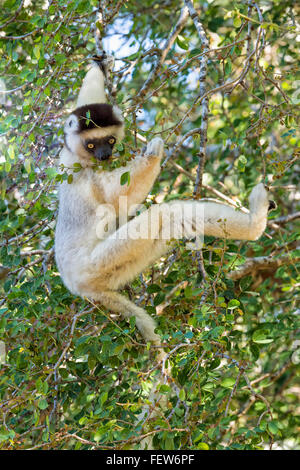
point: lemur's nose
(103, 152)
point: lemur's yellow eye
(111, 141)
(91, 146)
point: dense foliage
(71, 376)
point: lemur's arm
(143, 171)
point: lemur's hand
(155, 147)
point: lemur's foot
(258, 198)
(155, 147)
(260, 194)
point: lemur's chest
(90, 189)
(89, 205)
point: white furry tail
(92, 90)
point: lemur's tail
(92, 89)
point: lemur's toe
(272, 205)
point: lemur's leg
(226, 222)
(116, 302)
(146, 237)
(137, 244)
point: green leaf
(42, 404)
(27, 165)
(198, 436)
(194, 52)
(228, 382)
(7, 167)
(103, 397)
(119, 146)
(237, 21)
(125, 178)
(202, 446)
(261, 336)
(11, 152)
(209, 386)
(182, 42)
(92, 361)
(77, 167)
(228, 67)
(243, 159)
(88, 117)
(153, 288)
(60, 59)
(273, 428)
(215, 363)
(159, 298)
(164, 388)
(47, 91)
(232, 304)
(86, 31)
(254, 351)
(37, 51)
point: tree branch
(164, 51)
(14, 16)
(261, 262)
(202, 79)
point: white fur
(92, 89)
(100, 132)
(96, 253)
(97, 268)
(96, 263)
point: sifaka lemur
(98, 250)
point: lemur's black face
(91, 132)
(100, 148)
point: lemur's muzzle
(103, 152)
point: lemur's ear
(120, 130)
(118, 113)
(72, 124)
